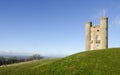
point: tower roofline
(104, 17)
(89, 22)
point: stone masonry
(97, 36)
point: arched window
(97, 37)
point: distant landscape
(96, 62)
(11, 59)
(59, 37)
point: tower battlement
(97, 36)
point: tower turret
(97, 35)
(104, 32)
(88, 34)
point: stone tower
(97, 36)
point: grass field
(96, 62)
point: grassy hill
(97, 62)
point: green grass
(97, 62)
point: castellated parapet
(97, 36)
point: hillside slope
(97, 62)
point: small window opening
(97, 30)
(97, 46)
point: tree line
(14, 59)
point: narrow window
(97, 37)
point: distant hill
(96, 62)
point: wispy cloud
(101, 13)
(116, 21)
(11, 52)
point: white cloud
(116, 21)
(101, 13)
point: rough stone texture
(97, 36)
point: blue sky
(53, 27)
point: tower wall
(88, 35)
(104, 32)
(97, 36)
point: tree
(2, 61)
(12, 60)
(35, 57)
